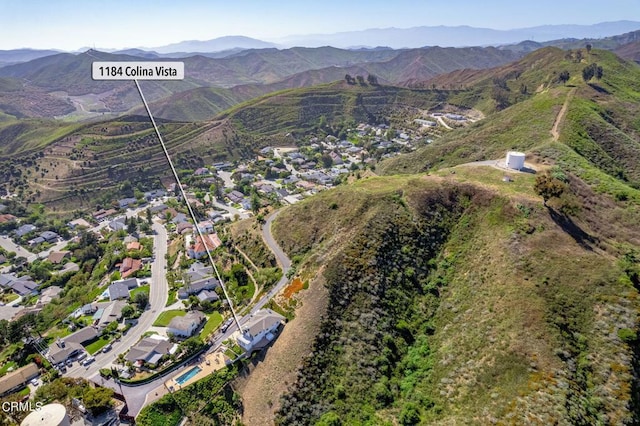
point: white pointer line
(184, 196)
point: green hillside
(599, 123)
(460, 299)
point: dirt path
(561, 114)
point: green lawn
(165, 318)
(215, 319)
(172, 298)
(6, 367)
(94, 347)
(142, 289)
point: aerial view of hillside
(364, 213)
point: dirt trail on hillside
(270, 377)
(561, 114)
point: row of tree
(371, 79)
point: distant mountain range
(460, 36)
(371, 39)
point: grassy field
(214, 320)
(165, 317)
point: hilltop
(458, 298)
(599, 125)
(455, 295)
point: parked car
(88, 361)
(82, 356)
(34, 381)
(226, 325)
(69, 362)
(106, 348)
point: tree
(238, 272)
(372, 80)
(327, 161)
(349, 79)
(128, 311)
(564, 77)
(588, 46)
(360, 80)
(149, 216)
(98, 400)
(591, 71)
(548, 187)
(141, 299)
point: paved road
(8, 244)
(136, 396)
(158, 296)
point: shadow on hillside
(599, 89)
(585, 240)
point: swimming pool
(188, 375)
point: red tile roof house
(198, 250)
(129, 267)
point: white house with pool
(259, 330)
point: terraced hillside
(80, 164)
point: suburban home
(118, 224)
(126, 202)
(48, 294)
(207, 296)
(6, 279)
(206, 227)
(336, 158)
(198, 249)
(198, 271)
(6, 218)
(60, 351)
(24, 287)
(79, 223)
(156, 193)
(129, 267)
(58, 257)
(158, 209)
(35, 241)
(235, 197)
(3, 258)
(186, 325)
(17, 379)
(150, 350)
(25, 229)
(202, 171)
(184, 227)
(260, 325)
(112, 312)
(196, 287)
(179, 218)
(84, 335)
(134, 245)
(68, 267)
(50, 236)
(118, 290)
(88, 309)
(291, 180)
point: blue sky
(72, 24)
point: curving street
(158, 295)
(137, 396)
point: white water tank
(47, 415)
(515, 160)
